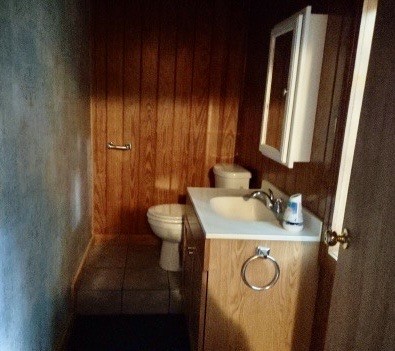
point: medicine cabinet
(292, 84)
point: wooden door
(362, 312)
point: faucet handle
(278, 206)
(271, 194)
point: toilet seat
(167, 213)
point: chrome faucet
(276, 205)
(260, 195)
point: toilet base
(170, 256)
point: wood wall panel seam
(200, 93)
(165, 113)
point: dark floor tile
(99, 302)
(142, 257)
(175, 280)
(175, 305)
(101, 279)
(145, 301)
(105, 255)
(154, 278)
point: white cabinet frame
(302, 88)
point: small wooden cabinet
(224, 314)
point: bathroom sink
(241, 209)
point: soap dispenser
(293, 215)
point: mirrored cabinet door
(295, 59)
(282, 70)
(279, 90)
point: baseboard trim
(62, 342)
(149, 240)
(77, 274)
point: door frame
(365, 38)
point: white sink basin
(238, 208)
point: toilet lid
(230, 170)
(167, 212)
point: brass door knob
(332, 238)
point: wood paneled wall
(317, 179)
(167, 77)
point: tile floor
(126, 279)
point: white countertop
(218, 227)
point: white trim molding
(365, 37)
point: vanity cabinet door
(194, 280)
(278, 319)
(187, 264)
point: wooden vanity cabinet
(224, 314)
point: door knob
(332, 238)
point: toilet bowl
(166, 222)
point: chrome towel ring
(261, 253)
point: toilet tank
(231, 176)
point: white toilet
(166, 220)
